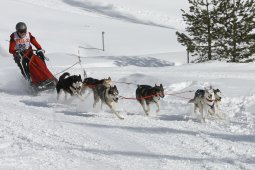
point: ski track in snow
(108, 10)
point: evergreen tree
(235, 30)
(200, 27)
(186, 41)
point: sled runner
(40, 76)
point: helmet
(21, 27)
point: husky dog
(216, 110)
(148, 94)
(91, 83)
(206, 101)
(107, 95)
(69, 84)
(218, 95)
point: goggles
(22, 31)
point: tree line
(219, 30)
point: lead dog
(69, 84)
(107, 95)
(206, 102)
(218, 97)
(146, 94)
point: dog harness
(211, 106)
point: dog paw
(202, 120)
(120, 117)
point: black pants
(24, 63)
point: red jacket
(28, 52)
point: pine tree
(200, 28)
(235, 30)
(186, 41)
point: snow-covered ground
(37, 132)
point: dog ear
(115, 86)
(138, 86)
(161, 85)
(109, 78)
(155, 85)
(216, 90)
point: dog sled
(40, 76)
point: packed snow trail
(38, 132)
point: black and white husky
(108, 95)
(69, 84)
(89, 84)
(146, 94)
(206, 102)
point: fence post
(103, 40)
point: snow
(37, 132)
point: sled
(40, 76)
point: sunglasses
(22, 31)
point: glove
(41, 53)
(41, 50)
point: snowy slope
(37, 132)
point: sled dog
(108, 95)
(69, 84)
(206, 102)
(89, 84)
(218, 97)
(146, 94)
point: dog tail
(85, 80)
(63, 76)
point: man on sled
(32, 67)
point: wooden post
(103, 39)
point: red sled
(41, 77)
